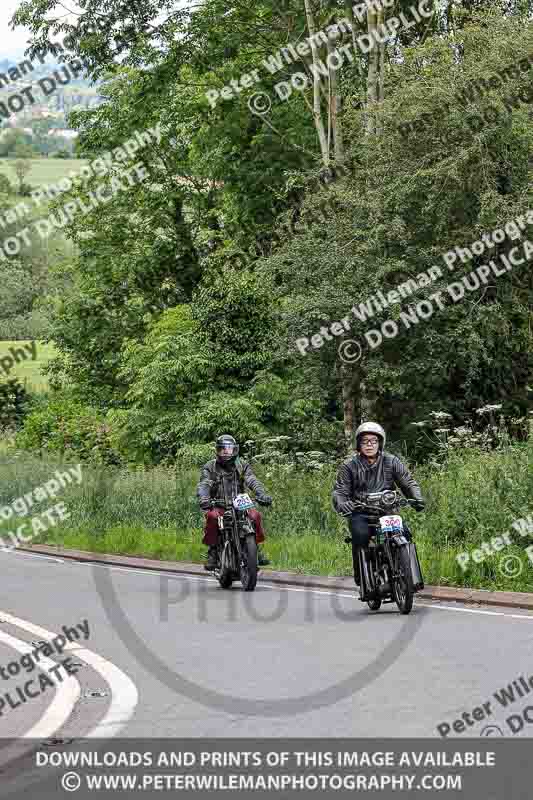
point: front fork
(229, 542)
(367, 580)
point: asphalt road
(180, 657)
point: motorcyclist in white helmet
(370, 469)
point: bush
(194, 455)
(6, 187)
(66, 427)
(13, 403)
(64, 153)
(34, 325)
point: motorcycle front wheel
(403, 590)
(225, 576)
(249, 565)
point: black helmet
(227, 449)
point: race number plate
(391, 524)
(243, 502)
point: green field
(43, 170)
(29, 371)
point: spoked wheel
(403, 585)
(374, 605)
(249, 565)
(225, 576)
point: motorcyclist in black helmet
(225, 477)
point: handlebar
(220, 503)
(261, 503)
(380, 508)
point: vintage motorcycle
(389, 567)
(236, 546)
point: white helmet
(371, 427)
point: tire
(374, 605)
(249, 569)
(225, 576)
(403, 587)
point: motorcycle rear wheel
(249, 568)
(403, 590)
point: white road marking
(177, 576)
(124, 695)
(66, 693)
(31, 555)
(526, 615)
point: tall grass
(477, 495)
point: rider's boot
(262, 560)
(356, 569)
(211, 558)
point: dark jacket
(356, 478)
(227, 482)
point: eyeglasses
(369, 441)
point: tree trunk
(335, 107)
(381, 75)
(317, 113)
(348, 405)
(372, 84)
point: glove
(264, 499)
(348, 507)
(205, 505)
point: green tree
(22, 168)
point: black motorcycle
(236, 546)
(389, 567)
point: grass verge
(154, 514)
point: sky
(13, 43)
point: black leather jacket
(226, 482)
(356, 478)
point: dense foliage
(178, 314)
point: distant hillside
(15, 76)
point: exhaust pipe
(416, 571)
(367, 578)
